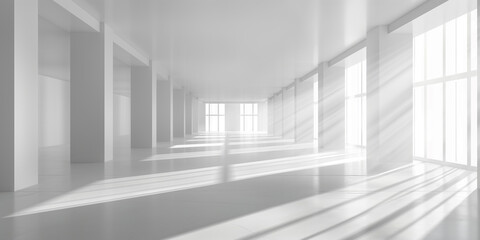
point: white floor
(239, 187)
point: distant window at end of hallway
(249, 117)
(214, 117)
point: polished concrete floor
(239, 187)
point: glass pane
(462, 43)
(473, 130)
(241, 108)
(434, 47)
(358, 121)
(450, 47)
(255, 124)
(450, 122)
(435, 121)
(349, 121)
(364, 77)
(221, 108)
(473, 39)
(419, 58)
(213, 109)
(255, 108)
(364, 121)
(462, 121)
(248, 109)
(419, 121)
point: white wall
(54, 112)
(54, 85)
(262, 116)
(232, 117)
(121, 104)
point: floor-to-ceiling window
(445, 91)
(214, 117)
(315, 108)
(249, 117)
(355, 104)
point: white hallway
(254, 119)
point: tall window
(249, 117)
(315, 108)
(445, 92)
(215, 117)
(355, 104)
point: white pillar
(201, 116)
(195, 114)
(18, 94)
(188, 114)
(478, 94)
(144, 106)
(321, 79)
(304, 111)
(179, 113)
(389, 99)
(164, 111)
(288, 113)
(278, 115)
(271, 116)
(332, 99)
(91, 74)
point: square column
(188, 114)
(91, 96)
(195, 114)
(478, 98)
(304, 111)
(270, 106)
(389, 99)
(201, 116)
(321, 78)
(178, 113)
(289, 112)
(144, 106)
(278, 115)
(164, 111)
(18, 94)
(331, 101)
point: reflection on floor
(239, 187)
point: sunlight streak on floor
(183, 155)
(396, 205)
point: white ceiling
(237, 50)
